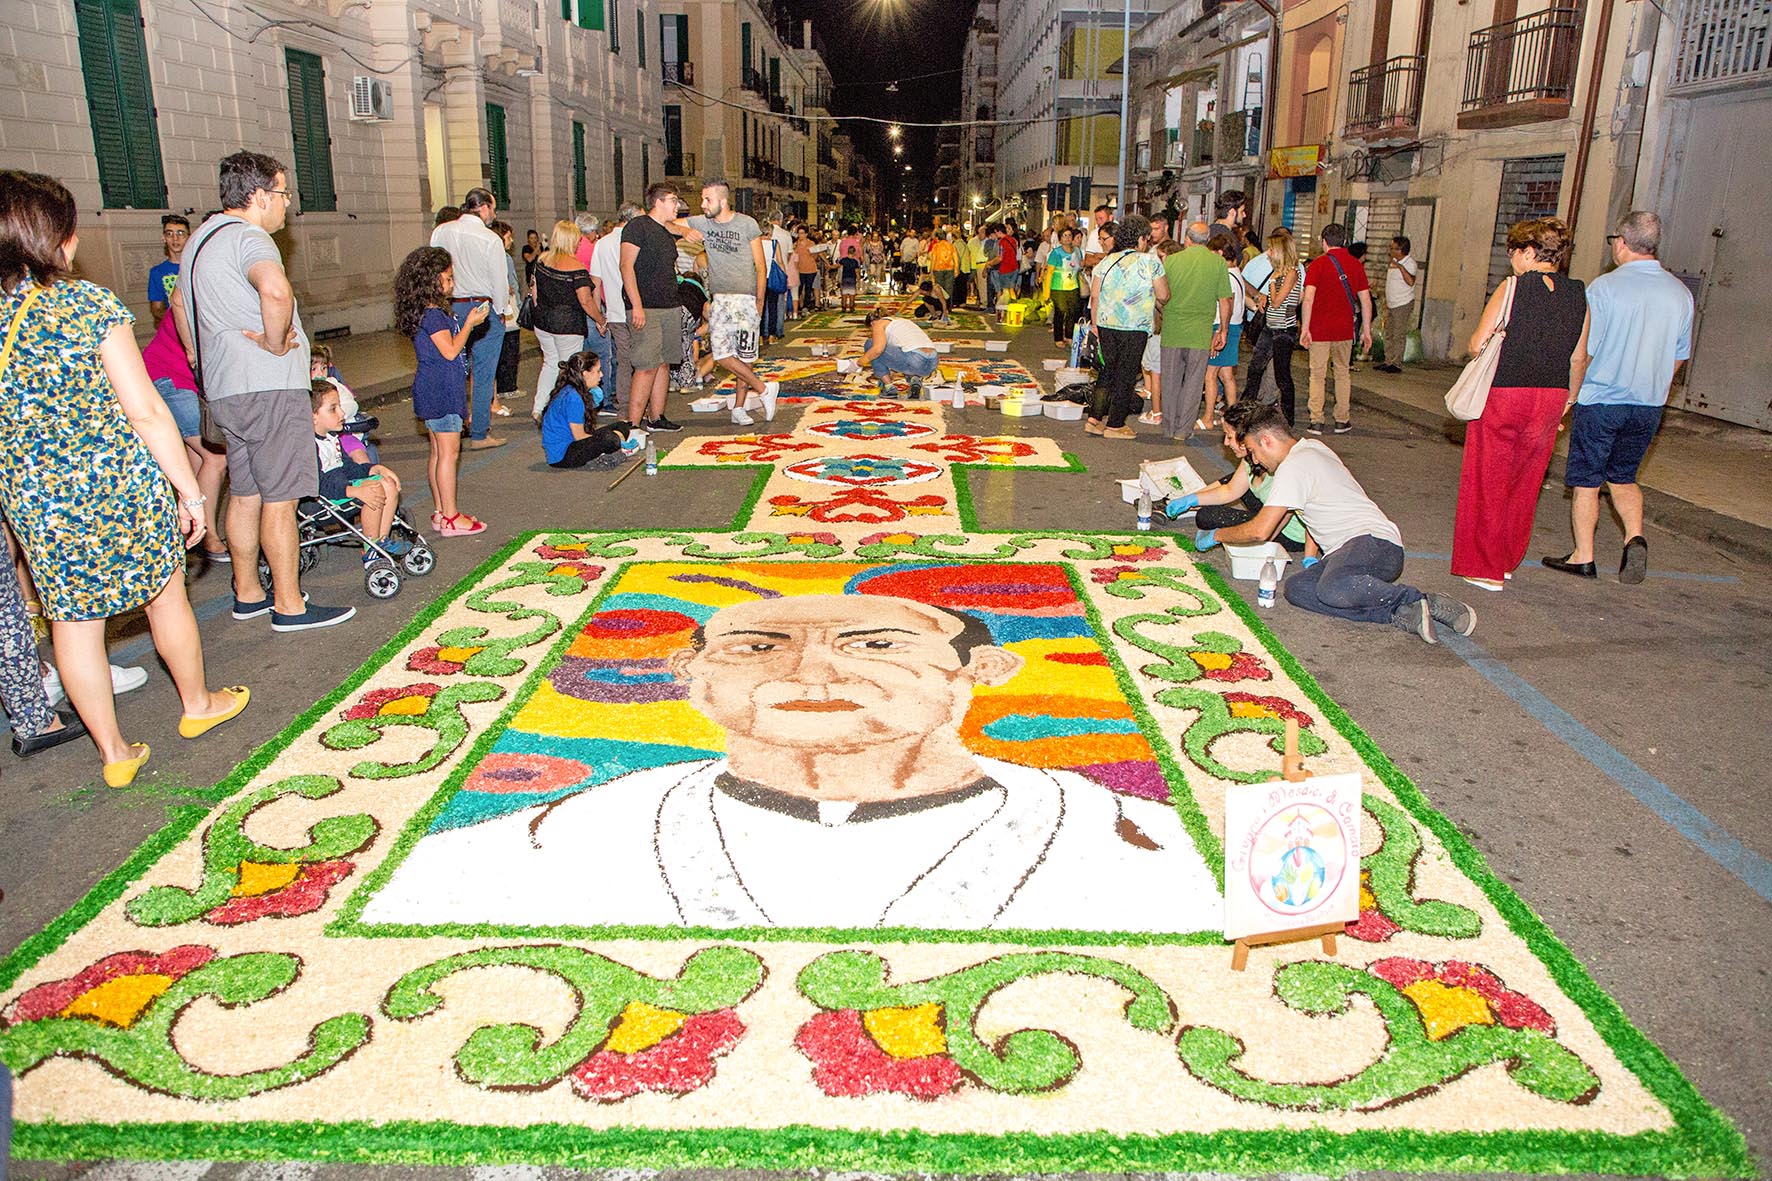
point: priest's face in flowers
(839, 672)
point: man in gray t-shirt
(235, 313)
(738, 278)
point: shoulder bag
(776, 282)
(1347, 289)
(1470, 393)
(17, 326)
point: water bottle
(1144, 512)
(1270, 582)
(652, 458)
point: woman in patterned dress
(87, 451)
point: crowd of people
(120, 455)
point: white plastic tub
(1020, 408)
(1160, 475)
(1247, 560)
(1053, 364)
(943, 347)
(996, 346)
(1063, 411)
(1067, 376)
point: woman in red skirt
(1508, 449)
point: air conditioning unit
(372, 100)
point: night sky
(869, 43)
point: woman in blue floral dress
(90, 460)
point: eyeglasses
(283, 193)
(1611, 238)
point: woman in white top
(1221, 368)
(898, 345)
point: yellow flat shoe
(189, 727)
(122, 773)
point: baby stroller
(322, 522)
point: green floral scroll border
(1703, 1142)
(348, 923)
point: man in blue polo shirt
(1639, 332)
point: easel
(1292, 770)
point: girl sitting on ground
(1242, 494)
(568, 438)
(422, 292)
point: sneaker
(1342, 428)
(1315, 428)
(739, 418)
(396, 546)
(221, 556)
(1414, 617)
(916, 388)
(1634, 566)
(661, 423)
(52, 687)
(1449, 612)
(244, 610)
(127, 680)
(771, 391)
(886, 390)
(313, 617)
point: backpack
(777, 282)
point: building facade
(383, 112)
(978, 104)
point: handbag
(777, 281)
(526, 312)
(1470, 393)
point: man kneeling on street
(1362, 548)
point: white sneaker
(771, 391)
(127, 680)
(740, 418)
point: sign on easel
(1292, 857)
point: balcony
(1202, 152)
(780, 105)
(681, 73)
(679, 164)
(755, 82)
(1384, 99)
(1522, 71)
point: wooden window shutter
(120, 100)
(580, 196)
(309, 129)
(497, 153)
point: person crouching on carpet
(1362, 548)
(568, 438)
(898, 345)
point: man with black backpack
(1337, 308)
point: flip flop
(190, 727)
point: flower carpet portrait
(853, 836)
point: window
(640, 36)
(673, 137)
(775, 77)
(673, 37)
(497, 155)
(580, 198)
(744, 49)
(621, 187)
(114, 58)
(645, 165)
(307, 122)
(614, 26)
(590, 13)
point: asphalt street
(1604, 746)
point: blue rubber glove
(1309, 561)
(1205, 539)
(1179, 506)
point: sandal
(460, 525)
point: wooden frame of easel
(1292, 770)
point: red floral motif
(812, 539)
(675, 1065)
(583, 571)
(873, 409)
(565, 552)
(54, 998)
(752, 448)
(304, 895)
(440, 662)
(846, 1061)
(1373, 925)
(1110, 574)
(1230, 667)
(862, 505)
(1128, 551)
(972, 449)
(1503, 1005)
(403, 699)
(1250, 705)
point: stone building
(385, 111)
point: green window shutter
(744, 48)
(313, 140)
(496, 153)
(590, 14)
(580, 199)
(775, 76)
(120, 99)
(621, 193)
(565, 10)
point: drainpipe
(1590, 109)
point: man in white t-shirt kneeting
(1362, 548)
